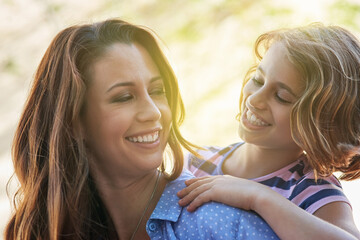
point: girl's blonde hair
(325, 120)
(57, 198)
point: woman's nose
(148, 110)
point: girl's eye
(282, 100)
(278, 96)
(123, 98)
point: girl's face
(268, 99)
(126, 121)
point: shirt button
(152, 227)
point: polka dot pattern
(210, 221)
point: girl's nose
(258, 99)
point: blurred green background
(208, 42)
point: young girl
(299, 119)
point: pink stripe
(331, 179)
(315, 206)
(284, 173)
(216, 159)
(210, 157)
(284, 192)
(311, 190)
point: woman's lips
(146, 138)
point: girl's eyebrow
(122, 84)
(280, 84)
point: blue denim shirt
(210, 221)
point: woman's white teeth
(254, 120)
(145, 138)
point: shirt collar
(167, 207)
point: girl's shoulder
(297, 182)
(311, 193)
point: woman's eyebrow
(122, 84)
(154, 79)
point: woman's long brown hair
(57, 198)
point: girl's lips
(255, 119)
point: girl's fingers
(191, 185)
(190, 181)
(198, 201)
(185, 191)
(193, 180)
(210, 192)
(193, 194)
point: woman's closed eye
(123, 98)
(127, 97)
(157, 91)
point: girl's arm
(332, 221)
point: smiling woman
(88, 150)
(126, 87)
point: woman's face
(126, 120)
(268, 100)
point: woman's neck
(126, 203)
(251, 161)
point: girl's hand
(285, 218)
(233, 191)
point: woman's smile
(146, 138)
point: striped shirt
(295, 182)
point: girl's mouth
(254, 120)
